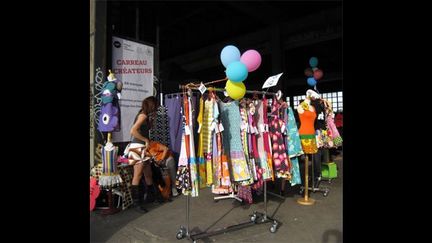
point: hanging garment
(294, 143)
(231, 121)
(174, 104)
(294, 147)
(307, 130)
(262, 159)
(252, 143)
(244, 137)
(207, 130)
(267, 140)
(245, 193)
(320, 121)
(159, 130)
(183, 181)
(190, 144)
(323, 139)
(280, 158)
(334, 133)
(200, 155)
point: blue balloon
(313, 62)
(311, 81)
(229, 54)
(237, 72)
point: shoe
(137, 200)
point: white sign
(132, 64)
(202, 88)
(272, 81)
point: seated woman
(163, 158)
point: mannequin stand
(315, 187)
(306, 200)
(110, 209)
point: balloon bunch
(237, 69)
(313, 73)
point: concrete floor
(321, 222)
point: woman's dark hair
(149, 105)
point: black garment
(320, 122)
(160, 127)
(144, 129)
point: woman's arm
(135, 130)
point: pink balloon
(252, 60)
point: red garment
(339, 120)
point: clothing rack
(256, 218)
(194, 87)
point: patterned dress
(280, 158)
(231, 121)
(294, 147)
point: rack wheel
(253, 217)
(273, 228)
(179, 235)
(326, 192)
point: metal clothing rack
(256, 217)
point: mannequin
(307, 117)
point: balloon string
(194, 85)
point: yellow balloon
(235, 90)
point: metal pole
(265, 200)
(187, 215)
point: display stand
(314, 188)
(111, 209)
(306, 200)
(255, 218)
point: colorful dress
(261, 140)
(294, 147)
(231, 121)
(280, 158)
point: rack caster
(253, 217)
(326, 192)
(273, 228)
(181, 233)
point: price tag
(213, 126)
(202, 88)
(187, 130)
(243, 126)
(221, 128)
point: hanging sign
(272, 81)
